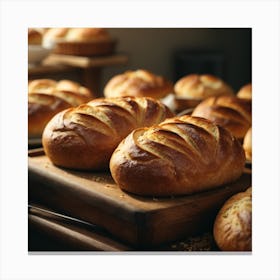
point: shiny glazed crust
(138, 83)
(199, 87)
(233, 113)
(85, 137)
(233, 224)
(245, 92)
(247, 144)
(47, 97)
(182, 155)
(41, 108)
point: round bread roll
(245, 92)
(182, 155)
(247, 145)
(47, 97)
(85, 137)
(139, 83)
(231, 112)
(35, 37)
(233, 224)
(191, 89)
(195, 86)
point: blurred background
(175, 52)
(169, 52)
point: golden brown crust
(182, 155)
(35, 37)
(245, 91)
(86, 34)
(41, 108)
(138, 83)
(195, 86)
(233, 224)
(85, 137)
(47, 97)
(233, 113)
(247, 145)
(79, 41)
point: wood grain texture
(136, 220)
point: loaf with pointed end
(85, 137)
(233, 224)
(48, 97)
(138, 83)
(231, 112)
(182, 155)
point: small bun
(231, 112)
(247, 145)
(139, 83)
(245, 92)
(233, 224)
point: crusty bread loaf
(245, 91)
(182, 155)
(233, 224)
(47, 97)
(247, 145)
(191, 89)
(79, 41)
(195, 86)
(138, 83)
(85, 137)
(231, 112)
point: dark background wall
(174, 52)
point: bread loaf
(191, 89)
(247, 145)
(231, 112)
(182, 155)
(79, 41)
(85, 137)
(47, 97)
(245, 91)
(139, 83)
(233, 224)
(195, 86)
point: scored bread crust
(231, 112)
(85, 137)
(139, 83)
(233, 224)
(182, 155)
(47, 97)
(195, 86)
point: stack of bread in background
(134, 133)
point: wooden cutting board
(138, 221)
